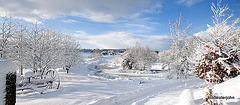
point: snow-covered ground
(87, 85)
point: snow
(229, 88)
(157, 66)
(5, 67)
(173, 94)
(175, 97)
(86, 85)
(186, 97)
(28, 74)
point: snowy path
(79, 87)
(82, 87)
(140, 97)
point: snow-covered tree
(128, 61)
(235, 41)
(33, 54)
(96, 54)
(178, 58)
(139, 58)
(48, 48)
(71, 53)
(165, 57)
(7, 29)
(18, 47)
(117, 59)
(40, 48)
(219, 58)
(36, 47)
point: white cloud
(69, 21)
(116, 40)
(80, 35)
(188, 2)
(108, 11)
(141, 26)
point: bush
(216, 66)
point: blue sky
(116, 23)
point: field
(86, 84)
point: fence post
(7, 82)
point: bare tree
(7, 29)
(35, 47)
(178, 57)
(47, 48)
(71, 52)
(18, 47)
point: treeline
(36, 47)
